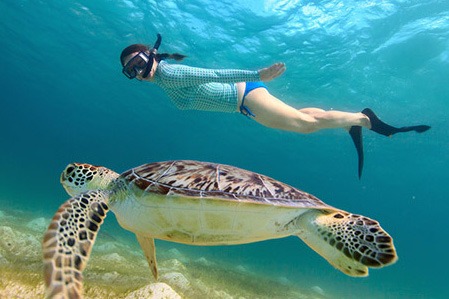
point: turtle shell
(202, 179)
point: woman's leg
(273, 113)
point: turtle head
(79, 177)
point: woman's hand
(272, 72)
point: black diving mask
(142, 63)
(137, 65)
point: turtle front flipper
(68, 242)
(147, 245)
(351, 243)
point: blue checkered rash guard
(192, 88)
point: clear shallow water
(64, 99)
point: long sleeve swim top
(192, 88)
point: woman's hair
(143, 48)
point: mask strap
(153, 52)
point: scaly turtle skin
(199, 203)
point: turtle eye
(69, 169)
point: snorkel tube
(153, 52)
(158, 42)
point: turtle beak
(62, 178)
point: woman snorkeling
(231, 90)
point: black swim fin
(382, 128)
(356, 135)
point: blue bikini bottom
(250, 86)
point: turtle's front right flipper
(68, 242)
(351, 243)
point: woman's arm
(176, 75)
(271, 72)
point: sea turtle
(199, 203)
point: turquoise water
(64, 99)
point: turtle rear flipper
(149, 249)
(68, 242)
(351, 243)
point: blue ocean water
(64, 99)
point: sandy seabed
(118, 270)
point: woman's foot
(356, 136)
(382, 128)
